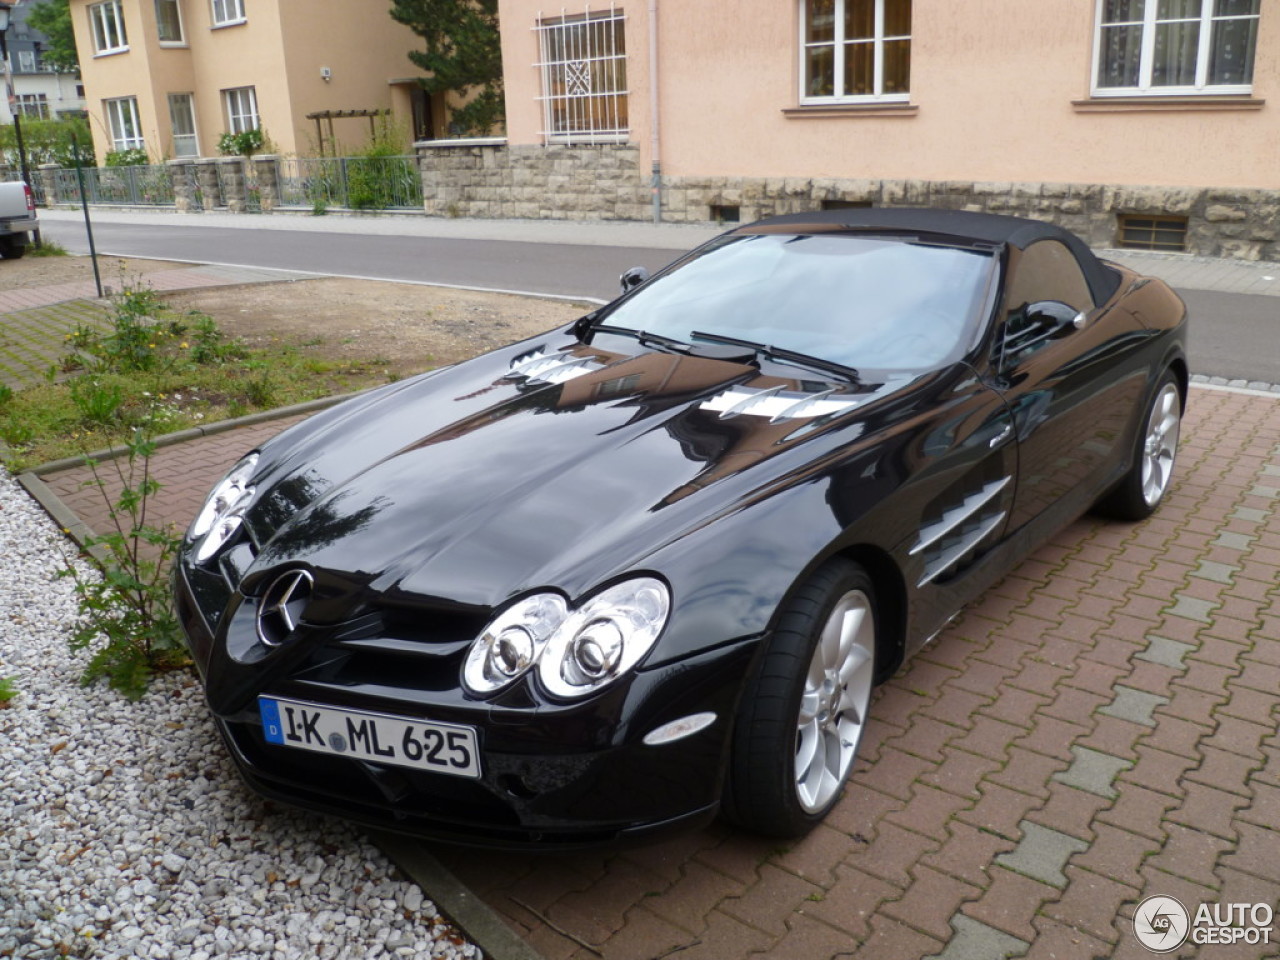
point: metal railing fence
(138, 186)
(358, 183)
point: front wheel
(804, 710)
(1148, 480)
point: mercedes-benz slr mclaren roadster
(649, 567)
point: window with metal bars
(1144, 232)
(584, 77)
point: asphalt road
(565, 270)
(1233, 335)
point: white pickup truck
(17, 219)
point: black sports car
(650, 566)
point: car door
(1066, 368)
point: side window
(1046, 270)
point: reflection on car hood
(548, 463)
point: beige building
(172, 76)
(1119, 118)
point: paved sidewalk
(1099, 728)
(181, 278)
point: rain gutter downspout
(656, 182)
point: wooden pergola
(320, 116)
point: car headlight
(512, 643)
(219, 518)
(575, 652)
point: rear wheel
(1148, 480)
(804, 710)
(12, 248)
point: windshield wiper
(743, 351)
(782, 353)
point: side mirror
(633, 278)
(1053, 316)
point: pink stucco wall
(992, 88)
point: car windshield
(865, 302)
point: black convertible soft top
(962, 224)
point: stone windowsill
(832, 110)
(461, 142)
(1165, 104)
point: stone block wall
(606, 182)
(532, 182)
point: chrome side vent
(541, 367)
(777, 404)
(960, 530)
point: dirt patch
(407, 327)
(42, 271)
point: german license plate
(381, 738)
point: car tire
(1141, 490)
(804, 709)
(11, 249)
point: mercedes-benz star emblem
(282, 606)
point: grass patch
(172, 370)
(47, 248)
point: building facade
(172, 76)
(40, 91)
(1146, 121)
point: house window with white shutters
(584, 77)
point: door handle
(1002, 436)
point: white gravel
(125, 831)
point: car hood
(549, 463)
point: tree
(464, 55)
(53, 19)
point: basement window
(846, 204)
(726, 213)
(1144, 232)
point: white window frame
(106, 23)
(241, 105)
(194, 136)
(33, 105)
(120, 113)
(597, 50)
(227, 13)
(26, 61)
(1145, 88)
(878, 95)
(182, 29)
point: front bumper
(553, 775)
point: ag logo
(1161, 924)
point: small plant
(125, 611)
(319, 208)
(243, 144)
(135, 157)
(7, 691)
(6, 394)
(97, 403)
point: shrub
(243, 144)
(135, 157)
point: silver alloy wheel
(1160, 445)
(833, 707)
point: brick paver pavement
(1099, 728)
